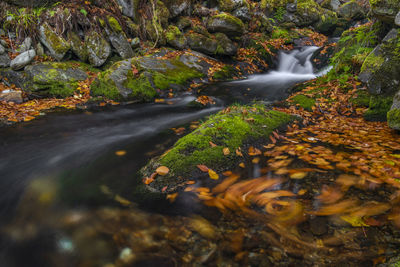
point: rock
(318, 226)
(4, 61)
(135, 43)
(227, 24)
(291, 7)
(385, 10)
(397, 19)
(335, 4)
(23, 59)
(201, 43)
(121, 44)
(26, 45)
(57, 46)
(39, 49)
(154, 32)
(54, 79)
(77, 46)
(327, 25)
(230, 5)
(351, 10)
(225, 45)
(175, 37)
(243, 13)
(130, 9)
(183, 23)
(381, 68)
(2, 49)
(201, 11)
(194, 149)
(178, 7)
(11, 96)
(98, 48)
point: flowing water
(64, 191)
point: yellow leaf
(298, 175)
(213, 175)
(242, 165)
(353, 220)
(226, 151)
(162, 170)
(120, 153)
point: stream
(58, 174)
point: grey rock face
(98, 49)
(26, 45)
(23, 59)
(77, 46)
(242, 13)
(121, 44)
(2, 49)
(397, 19)
(4, 61)
(130, 8)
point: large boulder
(23, 59)
(56, 45)
(225, 45)
(227, 24)
(230, 5)
(98, 48)
(54, 79)
(202, 43)
(150, 73)
(118, 38)
(380, 70)
(385, 10)
(178, 7)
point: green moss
(361, 99)
(105, 88)
(372, 62)
(378, 108)
(393, 118)
(225, 73)
(141, 87)
(114, 24)
(272, 5)
(58, 44)
(179, 75)
(304, 102)
(231, 130)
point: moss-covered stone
(175, 37)
(57, 46)
(393, 118)
(98, 48)
(201, 43)
(77, 46)
(225, 73)
(226, 23)
(231, 130)
(225, 46)
(361, 99)
(114, 24)
(386, 10)
(378, 108)
(229, 5)
(303, 101)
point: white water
(293, 67)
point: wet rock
(201, 43)
(393, 116)
(11, 96)
(56, 45)
(121, 44)
(26, 45)
(98, 48)
(227, 24)
(175, 37)
(77, 46)
(318, 226)
(130, 9)
(2, 49)
(23, 59)
(397, 19)
(54, 79)
(225, 45)
(351, 10)
(4, 60)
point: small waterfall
(293, 67)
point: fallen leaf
(213, 175)
(203, 168)
(226, 151)
(162, 170)
(120, 153)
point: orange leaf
(162, 170)
(203, 168)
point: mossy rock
(98, 48)
(55, 79)
(77, 46)
(175, 37)
(351, 10)
(201, 43)
(385, 10)
(230, 5)
(303, 101)
(56, 44)
(225, 73)
(226, 23)
(234, 129)
(393, 119)
(225, 46)
(361, 99)
(379, 106)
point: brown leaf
(203, 168)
